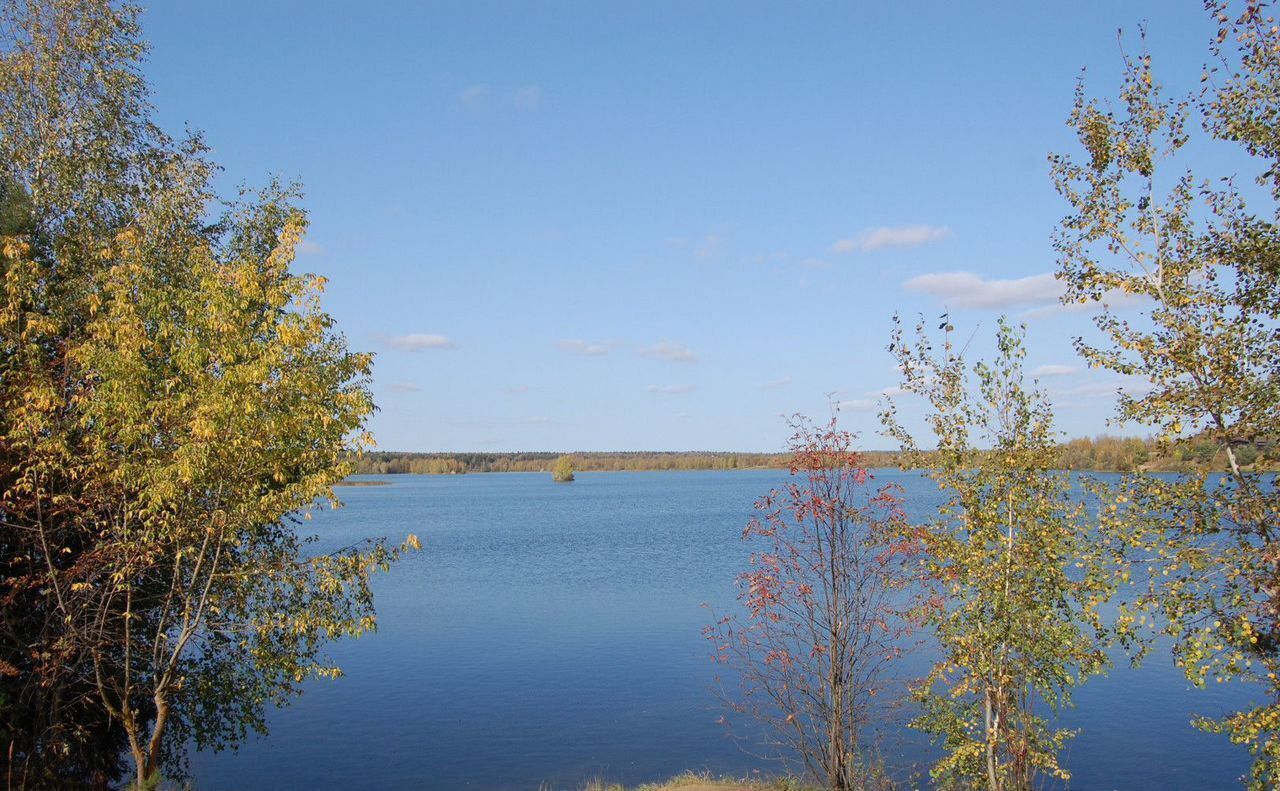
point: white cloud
(776, 383)
(702, 247)
(504, 420)
(1055, 370)
(516, 389)
(405, 387)
(895, 236)
(417, 341)
(670, 389)
(670, 351)
(472, 95)
(1114, 299)
(708, 247)
(765, 258)
(891, 391)
(967, 290)
(856, 405)
(585, 348)
(307, 247)
(1088, 393)
(528, 97)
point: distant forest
(1100, 454)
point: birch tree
(1194, 256)
(1013, 574)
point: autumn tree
(1197, 256)
(1012, 573)
(562, 470)
(173, 400)
(820, 627)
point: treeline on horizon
(1102, 453)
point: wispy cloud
(967, 290)
(856, 405)
(308, 247)
(585, 348)
(1044, 292)
(528, 97)
(405, 387)
(708, 247)
(776, 383)
(473, 95)
(767, 258)
(670, 351)
(502, 420)
(670, 389)
(418, 341)
(1055, 370)
(891, 391)
(1115, 299)
(891, 236)
(702, 247)
(516, 389)
(1089, 393)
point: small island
(562, 470)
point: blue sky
(655, 225)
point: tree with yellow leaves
(562, 470)
(173, 401)
(1201, 263)
(1012, 574)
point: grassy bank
(693, 781)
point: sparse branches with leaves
(1012, 574)
(1197, 258)
(821, 625)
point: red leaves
(820, 599)
(779, 656)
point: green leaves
(1015, 575)
(172, 400)
(1203, 267)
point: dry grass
(693, 781)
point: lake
(548, 634)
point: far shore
(1146, 468)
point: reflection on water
(552, 633)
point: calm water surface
(549, 634)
